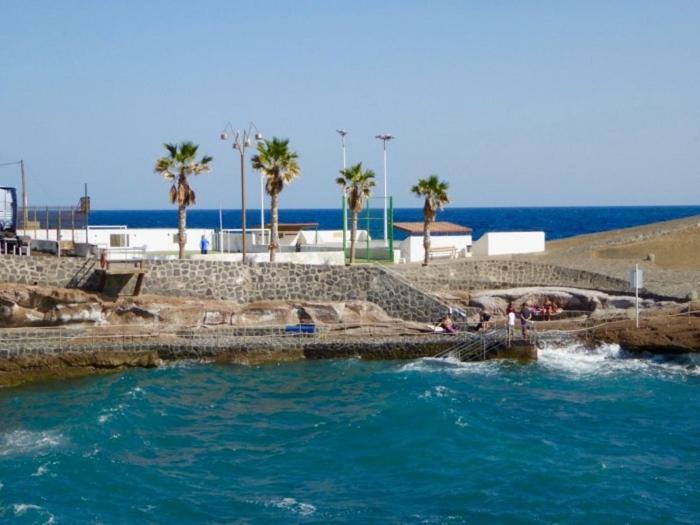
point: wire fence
(129, 337)
(377, 220)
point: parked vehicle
(10, 242)
(8, 213)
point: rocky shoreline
(26, 366)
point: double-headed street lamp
(241, 141)
(385, 137)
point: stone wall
(401, 291)
(471, 275)
(242, 283)
(64, 272)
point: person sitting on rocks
(547, 309)
(447, 324)
(484, 319)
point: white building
(509, 243)
(447, 240)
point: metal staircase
(473, 350)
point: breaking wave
(450, 365)
(578, 360)
(28, 442)
(573, 359)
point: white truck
(9, 242)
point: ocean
(555, 222)
(581, 436)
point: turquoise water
(579, 437)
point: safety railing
(129, 336)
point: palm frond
(177, 166)
(277, 163)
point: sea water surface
(556, 222)
(580, 436)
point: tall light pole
(385, 137)
(262, 207)
(342, 134)
(241, 141)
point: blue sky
(514, 103)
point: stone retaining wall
(471, 275)
(242, 283)
(402, 291)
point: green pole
(345, 225)
(391, 229)
(369, 210)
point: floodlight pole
(385, 137)
(241, 141)
(342, 134)
(262, 207)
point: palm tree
(357, 185)
(435, 192)
(176, 167)
(279, 166)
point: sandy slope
(673, 268)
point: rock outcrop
(666, 335)
(36, 306)
(572, 299)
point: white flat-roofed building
(447, 240)
(509, 243)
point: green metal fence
(376, 220)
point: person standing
(510, 324)
(525, 318)
(204, 245)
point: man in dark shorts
(525, 319)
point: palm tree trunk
(426, 241)
(353, 236)
(181, 229)
(274, 235)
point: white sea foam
(607, 359)
(303, 509)
(20, 509)
(436, 391)
(135, 393)
(27, 442)
(291, 505)
(109, 413)
(92, 453)
(574, 359)
(43, 469)
(450, 365)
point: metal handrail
(65, 336)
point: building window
(118, 240)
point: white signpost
(636, 282)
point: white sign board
(637, 278)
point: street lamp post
(342, 134)
(385, 137)
(241, 141)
